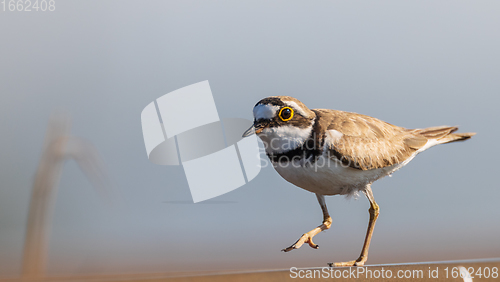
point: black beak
(254, 129)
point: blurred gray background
(411, 63)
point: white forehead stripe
(265, 111)
(296, 107)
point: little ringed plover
(330, 152)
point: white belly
(331, 177)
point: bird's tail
(444, 134)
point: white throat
(284, 138)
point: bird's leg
(307, 237)
(374, 211)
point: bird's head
(281, 122)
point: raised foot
(306, 238)
(358, 262)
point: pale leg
(374, 211)
(307, 237)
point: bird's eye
(286, 114)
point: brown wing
(367, 143)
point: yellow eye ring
(286, 113)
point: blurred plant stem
(58, 146)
